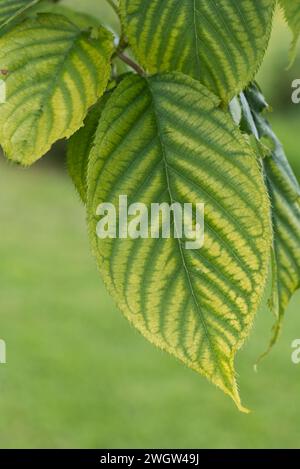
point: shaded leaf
(284, 191)
(10, 10)
(80, 145)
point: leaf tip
(233, 392)
(237, 400)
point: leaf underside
(286, 225)
(284, 191)
(56, 72)
(163, 139)
(221, 43)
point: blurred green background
(77, 374)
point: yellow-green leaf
(164, 139)
(56, 72)
(291, 10)
(219, 42)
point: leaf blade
(80, 145)
(222, 43)
(56, 72)
(179, 299)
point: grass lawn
(79, 376)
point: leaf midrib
(172, 200)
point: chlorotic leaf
(80, 145)
(291, 10)
(164, 140)
(56, 72)
(221, 43)
(284, 191)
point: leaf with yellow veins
(164, 140)
(219, 42)
(56, 72)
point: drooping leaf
(56, 72)
(284, 191)
(221, 43)
(80, 145)
(164, 139)
(291, 10)
(286, 222)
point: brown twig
(127, 60)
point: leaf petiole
(127, 60)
